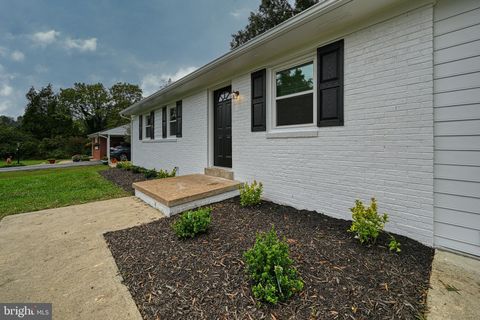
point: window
(148, 126)
(294, 95)
(172, 121)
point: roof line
(321, 7)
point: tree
(44, 117)
(89, 103)
(301, 5)
(270, 13)
(8, 121)
(122, 95)
(97, 107)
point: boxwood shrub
(192, 222)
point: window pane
(294, 80)
(147, 132)
(173, 128)
(295, 110)
(149, 120)
(173, 114)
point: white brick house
(387, 105)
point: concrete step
(219, 172)
(178, 194)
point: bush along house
(347, 100)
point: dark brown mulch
(123, 178)
(204, 278)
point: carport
(102, 141)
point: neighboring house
(102, 141)
(347, 100)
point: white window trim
(273, 93)
(168, 121)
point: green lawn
(25, 191)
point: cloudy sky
(143, 42)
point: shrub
(137, 169)
(193, 222)
(250, 194)
(165, 174)
(367, 223)
(84, 157)
(394, 245)
(76, 158)
(270, 267)
(125, 165)
(150, 174)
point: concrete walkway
(51, 166)
(60, 256)
(455, 287)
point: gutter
(292, 23)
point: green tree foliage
(88, 102)
(44, 117)
(55, 124)
(269, 14)
(122, 95)
(97, 107)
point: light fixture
(235, 94)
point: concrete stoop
(219, 172)
(178, 194)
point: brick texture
(385, 148)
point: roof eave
(285, 26)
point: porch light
(235, 94)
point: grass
(25, 191)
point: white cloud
(17, 55)
(81, 44)
(46, 37)
(152, 82)
(5, 90)
(3, 52)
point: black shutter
(152, 128)
(140, 127)
(330, 85)
(164, 122)
(259, 95)
(179, 118)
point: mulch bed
(123, 178)
(204, 278)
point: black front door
(222, 121)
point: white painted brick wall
(189, 152)
(385, 148)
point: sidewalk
(455, 287)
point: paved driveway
(51, 166)
(60, 256)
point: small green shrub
(367, 223)
(193, 222)
(165, 174)
(394, 245)
(124, 165)
(76, 158)
(150, 174)
(84, 157)
(250, 194)
(270, 268)
(137, 169)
